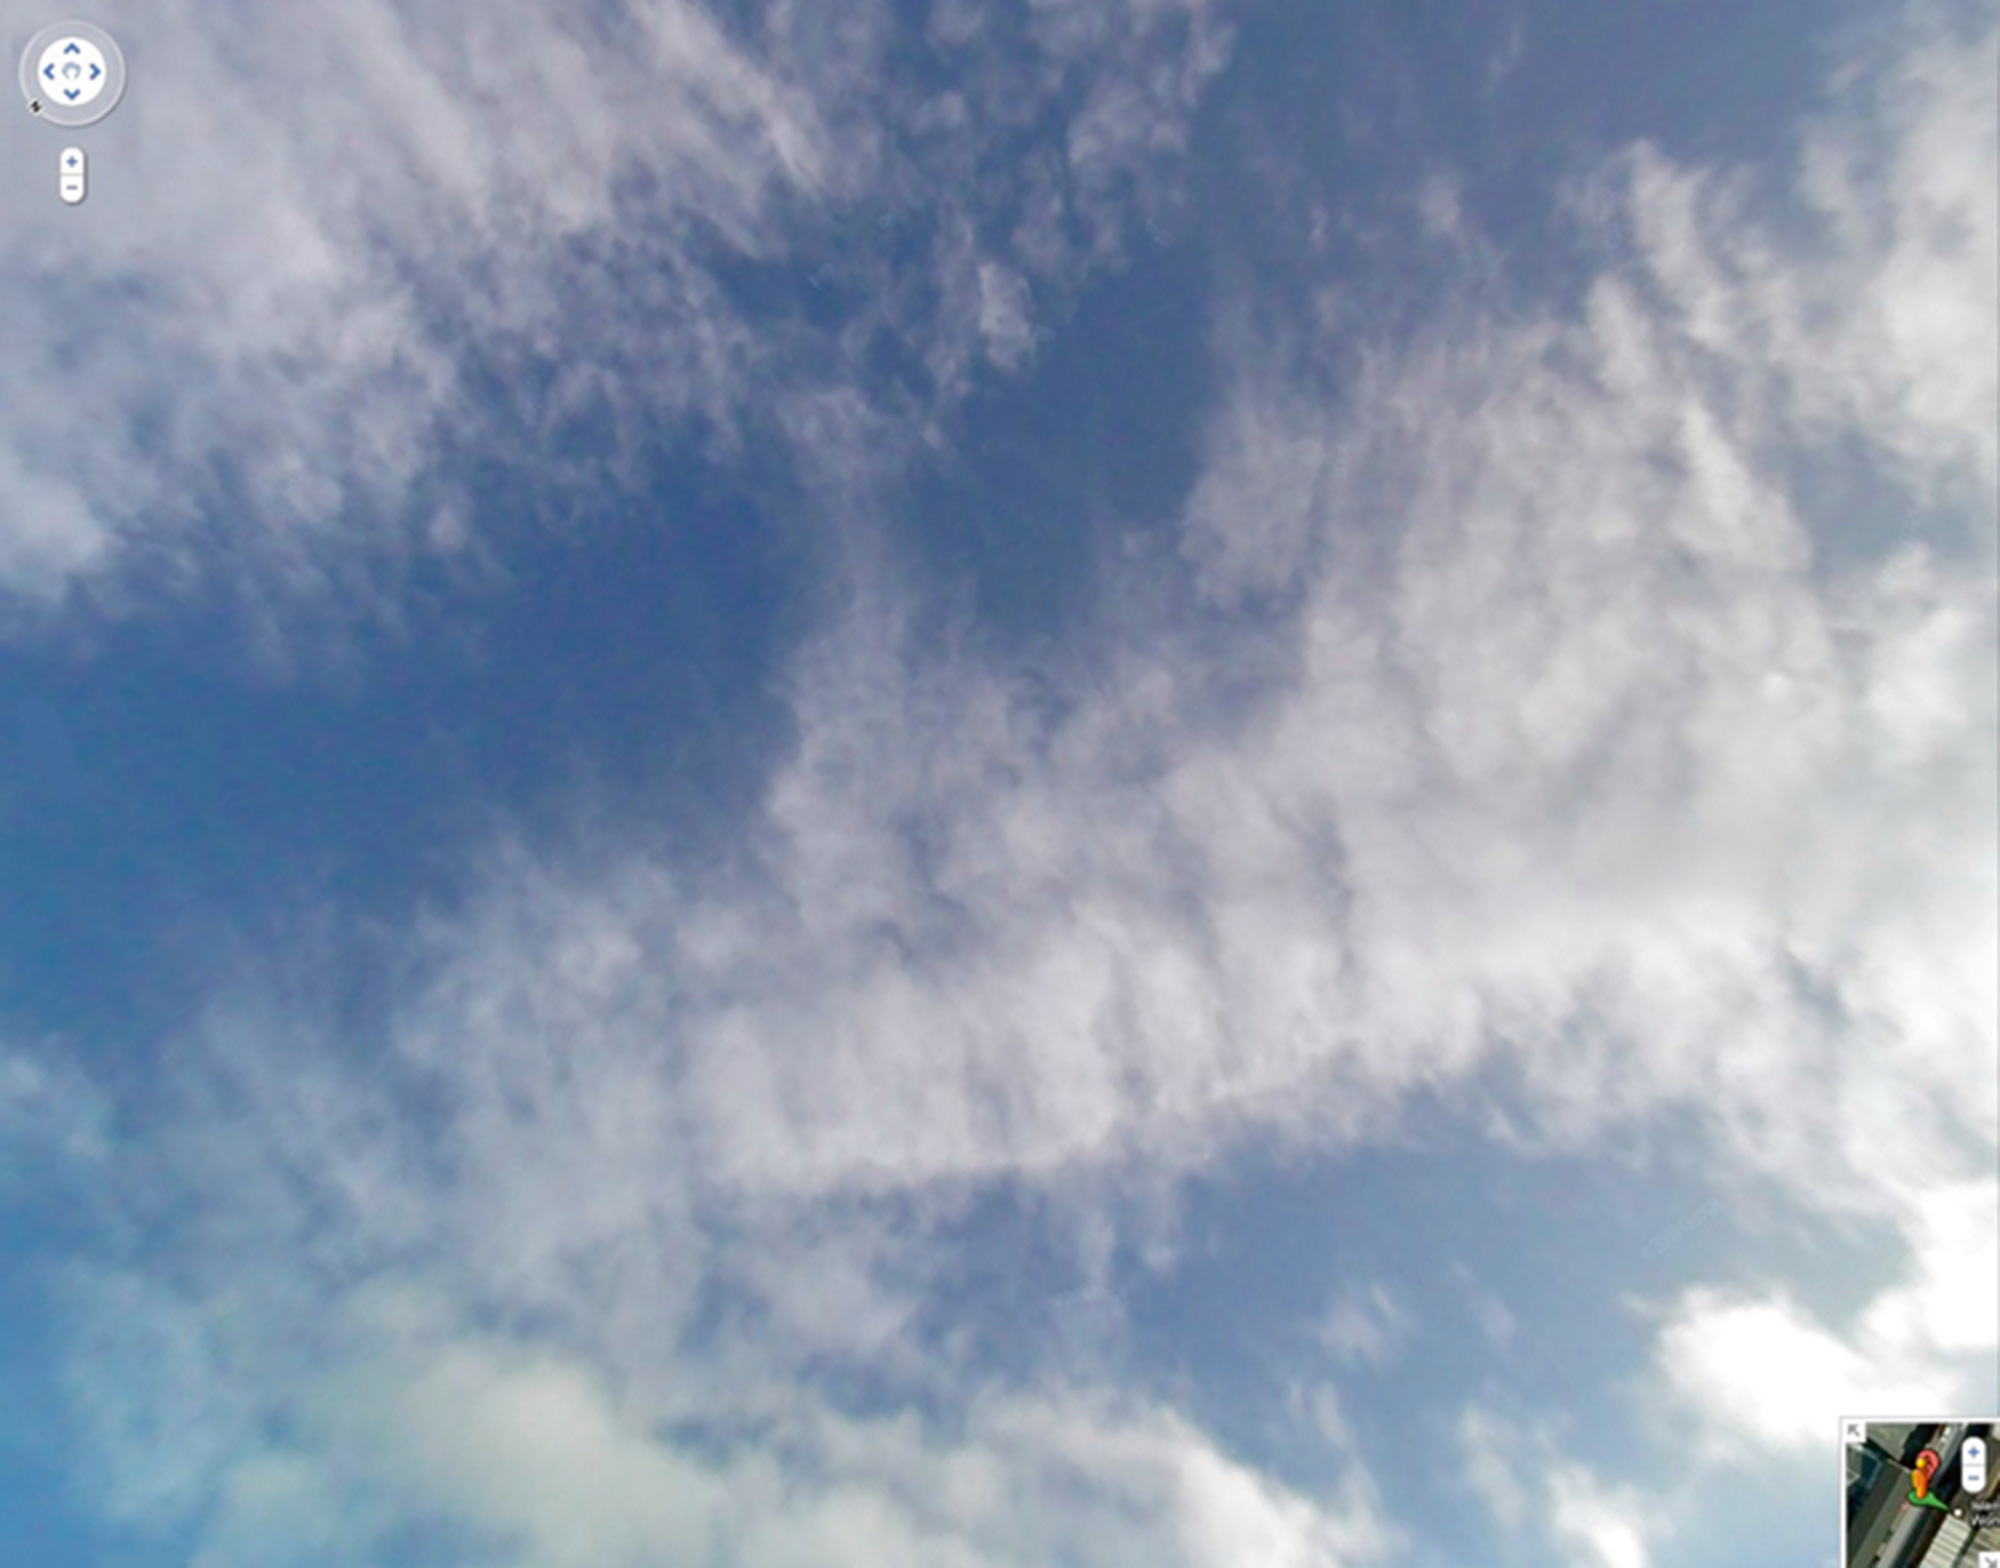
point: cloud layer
(478, 231)
(1577, 780)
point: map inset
(1921, 1494)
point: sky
(1073, 782)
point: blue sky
(1087, 781)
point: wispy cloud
(485, 228)
(1888, 337)
(1364, 1327)
(1537, 1492)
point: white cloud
(321, 239)
(1533, 1490)
(1365, 1326)
(1767, 1375)
(1948, 1308)
(1760, 1372)
(1440, 206)
(1494, 1320)
(1890, 335)
(1004, 315)
(1493, 1473)
(148, 1392)
(268, 322)
(47, 1108)
(1582, 755)
(543, 1461)
(1252, 518)
(1603, 1529)
(1507, 58)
